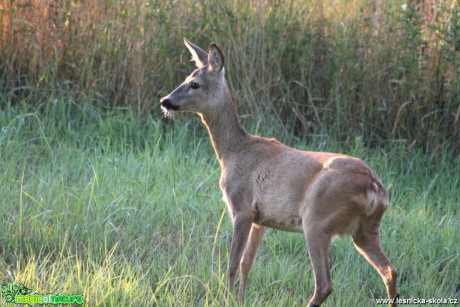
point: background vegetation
(383, 70)
(101, 196)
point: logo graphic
(21, 295)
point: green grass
(128, 211)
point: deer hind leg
(318, 242)
(255, 237)
(241, 227)
(367, 242)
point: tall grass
(128, 212)
(100, 196)
(380, 70)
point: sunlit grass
(102, 198)
(129, 212)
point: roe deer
(267, 184)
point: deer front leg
(241, 227)
(255, 237)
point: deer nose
(166, 103)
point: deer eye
(194, 85)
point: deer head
(202, 90)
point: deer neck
(224, 129)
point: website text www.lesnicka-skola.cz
(418, 301)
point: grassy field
(128, 212)
(102, 196)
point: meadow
(128, 212)
(101, 195)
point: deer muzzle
(168, 105)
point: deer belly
(294, 224)
(277, 219)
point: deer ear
(215, 59)
(198, 55)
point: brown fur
(267, 184)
